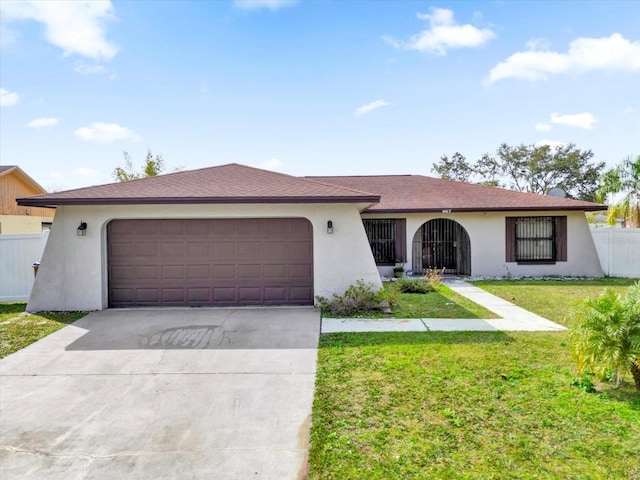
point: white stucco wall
(488, 247)
(73, 269)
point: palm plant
(606, 334)
(623, 179)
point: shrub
(434, 276)
(359, 299)
(414, 285)
(606, 334)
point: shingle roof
(4, 168)
(235, 183)
(230, 183)
(417, 193)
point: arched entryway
(442, 243)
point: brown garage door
(220, 262)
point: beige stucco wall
(488, 247)
(73, 270)
(12, 224)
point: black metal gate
(442, 244)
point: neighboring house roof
(230, 183)
(8, 169)
(417, 193)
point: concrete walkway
(513, 318)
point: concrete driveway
(163, 393)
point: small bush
(414, 285)
(584, 383)
(434, 276)
(359, 299)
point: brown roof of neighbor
(417, 193)
(230, 183)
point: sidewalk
(514, 318)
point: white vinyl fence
(17, 255)
(618, 250)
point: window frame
(395, 246)
(558, 239)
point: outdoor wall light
(329, 227)
(81, 231)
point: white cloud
(7, 98)
(85, 172)
(444, 34)
(580, 120)
(75, 26)
(260, 4)
(628, 110)
(43, 122)
(105, 132)
(584, 54)
(551, 143)
(543, 127)
(272, 164)
(84, 69)
(369, 107)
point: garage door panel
(300, 294)
(197, 228)
(173, 272)
(199, 295)
(198, 272)
(121, 249)
(275, 294)
(223, 250)
(300, 271)
(173, 295)
(175, 227)
(299, 250)
(147, 272)
(249, 250)
(210, 262)
(147, 295)
(275, 271)
(224, 294)
(275, 250)
(172, 249)
(248, 295)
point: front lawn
(552, 299)
(17, 330)
(476, 405)
(480, 405)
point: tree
(623, 179)
(153, 166)
(455, 169)
(529, 168)
(606, 334)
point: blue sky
(310, 87)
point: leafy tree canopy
(623, 181)
(153, 166)
(528, 168)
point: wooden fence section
(618, 250)
(17, 254)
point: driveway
(163, 393)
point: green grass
(17, 331)
(443, 303)
(481, 405)
(472, 405)
(552, 299)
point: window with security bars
(536, 239)
(386, 238)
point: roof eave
(593, 208)
(49, 202)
